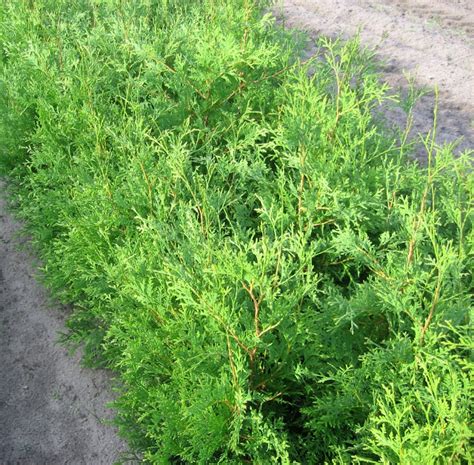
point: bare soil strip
(431, 40)
(51, 409)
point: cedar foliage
(245, 245)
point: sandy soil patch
(51, 409)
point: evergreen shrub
(245, 245)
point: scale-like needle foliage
(252, 253)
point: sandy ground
(51, 409)
(431, 40)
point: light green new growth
(255, 256)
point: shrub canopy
(245, 244)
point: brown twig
(228, 330)
(256, 306)
(432, 309)
(242, 84)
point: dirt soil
(51, 408)
(431, 40)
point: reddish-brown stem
(256, 306)
(432, 310)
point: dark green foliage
(255, 257)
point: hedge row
(245, 245)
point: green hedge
(246, 246)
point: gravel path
(51, 409)
(431, 40)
